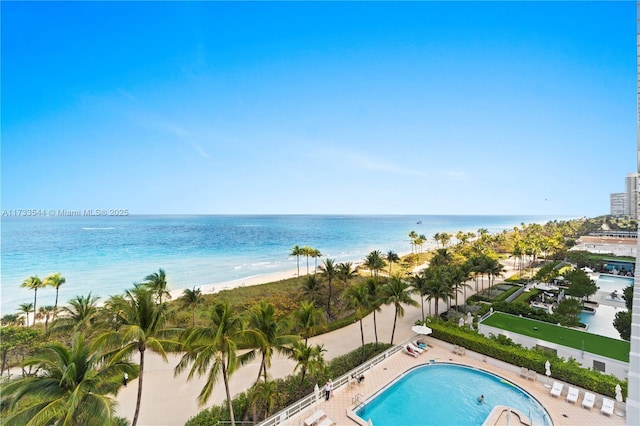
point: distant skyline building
(618, 204)
(632, 194)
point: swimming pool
(602, 321)
(609, 283)
(446, 394)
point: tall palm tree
(79, 316)
(55, 281)
(398, 293)
(412, 237)
(308, 318)
(357, 298)
(329, 272)
(71, 386)
(309, 359)
(374, 262)
(138, 322)
(214, 347)
(315, 253)
(374, 289)
(419, 284)
(192, 298)
(442, 257)
(458, 277)
(262, 320)
(33, 283)
(157, 283)
(494, 269)
(391, 257)
(438, 285)
(297, 251)
(265, 394)
(25, 308)
(307, 251)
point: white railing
(297, 407)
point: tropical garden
(69, 362)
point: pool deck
(561, 411)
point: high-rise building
(632, 195)
(618, 204)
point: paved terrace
(561, 411)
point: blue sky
(348, 108)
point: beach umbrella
(461, 322)
(469, 320)
(316, 391)
(618, 393)
(547, 369)
(421, 329)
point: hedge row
(568, 371)
(288, 390)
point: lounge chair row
(528, 374)
(318, 418)
(588, 400)
(415, 349)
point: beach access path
(169, 400)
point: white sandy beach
(169, 400)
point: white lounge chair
(532, 375)
(327, 422)
(588, 400)
(607, 406)
(524, 372)
(556, 390)
(314, 418)
(409, 351)
(572, 395)
(415, 348)
(421, 345)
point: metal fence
(313, 398)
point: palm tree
(262, 320)
(71, 386)
(307, 251)
(311, 287)
(458, 277)
(25, 308)
(79, 316)
(265, 394)
(329, 271)
(297, 251)
(46, 312)
(214, 347)
(192, 298)
(419, 284)
(34, 283)
(346, 272)
(308, 358)
(309, 319)
(55, 281)
(391, 257)
(398, 293)
(157, 283)
(375, 301)
(442, 257)
(315, 253)
(494, 269)
(374, 262)
(412, 237)
(357, 298)
(438, 285)
(138, 320)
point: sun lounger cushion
(588, 400)
(607, 406)
(556, 390)
(326, 422)
(314, 418)
(572, 395)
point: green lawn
(593, 343)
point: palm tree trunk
(55, 305)
(35, 295)
(139, 397)
(262, 365)
(362, 336)
(375, 326)
(422, 303)
(225, 376)
(395, 318)
(298, 263)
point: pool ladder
(358, 401)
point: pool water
(446, 394)
(609, 283)
(602, 321)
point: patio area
(347, 396)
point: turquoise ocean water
(106, 255)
